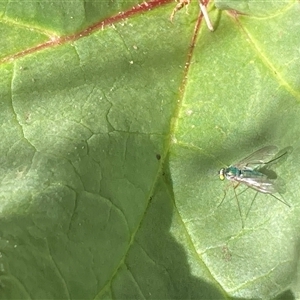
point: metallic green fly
(254, 172)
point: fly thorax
(232, 172)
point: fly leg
(226, 188)
(242, 192)
(238, 203)
(230, 184)
(251, 205)
(235, 185)
(282, 201)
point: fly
(253, 171)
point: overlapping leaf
(111, 146)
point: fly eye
(221, 174)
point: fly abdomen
(249, 173)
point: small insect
(253, 171)
(182, 3)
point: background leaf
(114, 126)
(254, 7)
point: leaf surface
(115, 122)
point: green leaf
(114, 126)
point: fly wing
(257, 158)
(264, 184)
